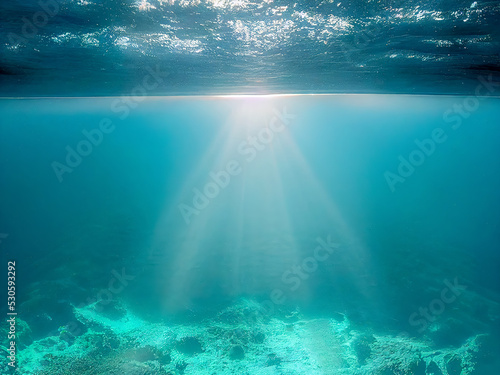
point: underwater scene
(219, 187)
(330, 234)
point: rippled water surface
(88, 47)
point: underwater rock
(181, 367)
(433, 369)
(156, 368)
(239, 336)
(48, 342)
(66, 335)
(189, 345)
(339, 317)
(144, 354)
(362, 347)
(273, 360)
(165, 358)
(258, 337)
(132, 346)
(110, 309)
(229, 317)
(103, 343)
(244, 337)
(454, 366)
(291, 317)
(488, 348)
(134, 368)
(387, 371)
(484, 354)
(450, 332)
(44, 316)
(399, 354)
(237, 353)
(418, 368)
(245, 312)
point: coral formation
(316, 346)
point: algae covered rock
(433, 369)
(134, 368)
(450, 332)
(418, 367)
(165, 358)
(110, 309)
(189, 345)
(362, 347)
(454, 366)
(237, 353)
(273, 360)
(103, 343)
(181, 367)
(484, 349)
(144, 354)
(258, 337)
(488, 348)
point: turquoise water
(316, 234)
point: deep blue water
(336, 234)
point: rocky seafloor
(241, 339)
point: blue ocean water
(299, 234)
(257, 188)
